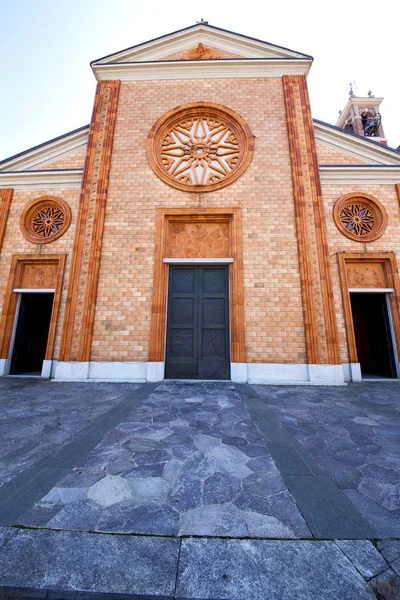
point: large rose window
(200, 147)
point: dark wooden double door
(198, 323)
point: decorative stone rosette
(200, 147)
(45, 219)
(360, 217)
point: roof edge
(41, 145)
(198, 25)
(357, 136)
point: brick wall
(75, 160)
(273, 305)
(337, 242)
(329, 156)
(15, 242)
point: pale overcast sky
(47, 86)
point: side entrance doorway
(373, 334)
(31, 333)
(198, 323)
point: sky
(47, 87)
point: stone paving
(36, 416)
(354, 436)
(189, 461)
(181, 491)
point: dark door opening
(198, 323)
(373, 335)
(31, 333)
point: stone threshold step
(57, 565)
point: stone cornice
(41, 180)
(203, 69)
(360, 174)
(216, 37)
(47, 152)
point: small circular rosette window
(200, 147)
(360, 217)
(45, 219)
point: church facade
(204, 226)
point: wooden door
(198, 323)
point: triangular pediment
(64, 152)
(340, 147)
(200, 42)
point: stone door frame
(158, 328)
(386, 265)
(15, 287)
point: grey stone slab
(364, 556)
(395, 565)
(71, 453)
(234, 468)
(110, 490)
(221, 520)
(266, 526)
(381, 484)
(390, 549)
(264, 483)
(81, 562)
(146, 518)
(385, 523)
(386, 585)
(288, 460)
(20, 494)
(77, 516)
(327, 511)
(220, 488)
(6, 533)
(186, 494)
(152, 488)
(155, 470)
(82, 478)
(40, 514)
(65, 495)
(273, 570)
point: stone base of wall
(261, 373)
(140, 372)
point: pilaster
(316, 284)
(78, 325)
(5, 203)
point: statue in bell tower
(361, 115)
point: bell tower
(361, 115)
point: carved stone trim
(360, 217)
(230, 217)
(320, 328)
(82, 291)
(31, 271)
(45, 219)
(367, 270)
(200, 147)
(5, 203)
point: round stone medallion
(360, 217)
(45, 219)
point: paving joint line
(21, 493)
(328, 512)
